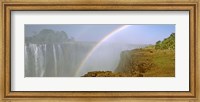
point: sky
(133, 34)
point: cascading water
(55, 60)
(64, 59)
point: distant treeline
(49, 36)
(167, 43)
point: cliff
(152, 61)
(148, 62)
(138, 60)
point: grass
(164, 64)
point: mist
(57, 53)
(54, 54)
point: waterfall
(26, 60)
(64, 59)
(55, 60)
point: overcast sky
(134, 34)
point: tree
(167, 43)
(158, 44)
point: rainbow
(98, 44)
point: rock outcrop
(135, 61)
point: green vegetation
(164, 64)
(167, 43)
(152, 61)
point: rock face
(111, 74)
(135, 61)
(125, 62)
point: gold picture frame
(127, 5)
